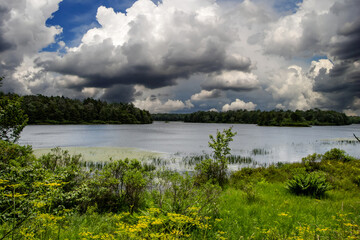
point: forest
(299, 118)
(61, 110)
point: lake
(277, 144)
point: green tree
(215, 169)
(12, 117)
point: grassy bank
(271, 213)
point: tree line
(264, 118)
(61, 110)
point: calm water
(282, 144)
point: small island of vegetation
(313, 117)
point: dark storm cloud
(119, 93)
(343, 81)
(4, 44)
(340, 85)
(105, 65)
(347, 45)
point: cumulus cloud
(204, 95)
(154, 105)
(217, 46)
(327, 27)
(239, 104)
(143, 46)
(232, 80)
(23, 33)
(295, 89)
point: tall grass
(277, 214)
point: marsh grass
(259, 151)
(192, 160)
(341, 141)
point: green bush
(336, 154)
(13, 155)
(118, 186)
(214, 170)
(12, 118)
(312, 162)
(311, 184)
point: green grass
(273, 214)
(254, 204)
(277, 214)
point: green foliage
(312, 162)
(336, 154)
(58, 158)
(311, 184)
(12, 118)
(178, 193)
(135, 183)
(61, 110)
(263, 118)
(280, 215)
(13, 155)
(120, 185)
(215, 169)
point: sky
(186, 55)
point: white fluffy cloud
(153, 45)
(294, 88)
(216, 46)
(232, 80)
(239, 104)
(204, 95)
(306, 32)
(156, 106)
(23, 33)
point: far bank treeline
(264, 118)
(60, 110)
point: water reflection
(283, 144)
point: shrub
(175, 192)
(13, 155)
(12, 118)
(336, 154)
(311, 184)
(312, 162)
(215, 170)
(118, 185)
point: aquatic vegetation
(259, 151)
